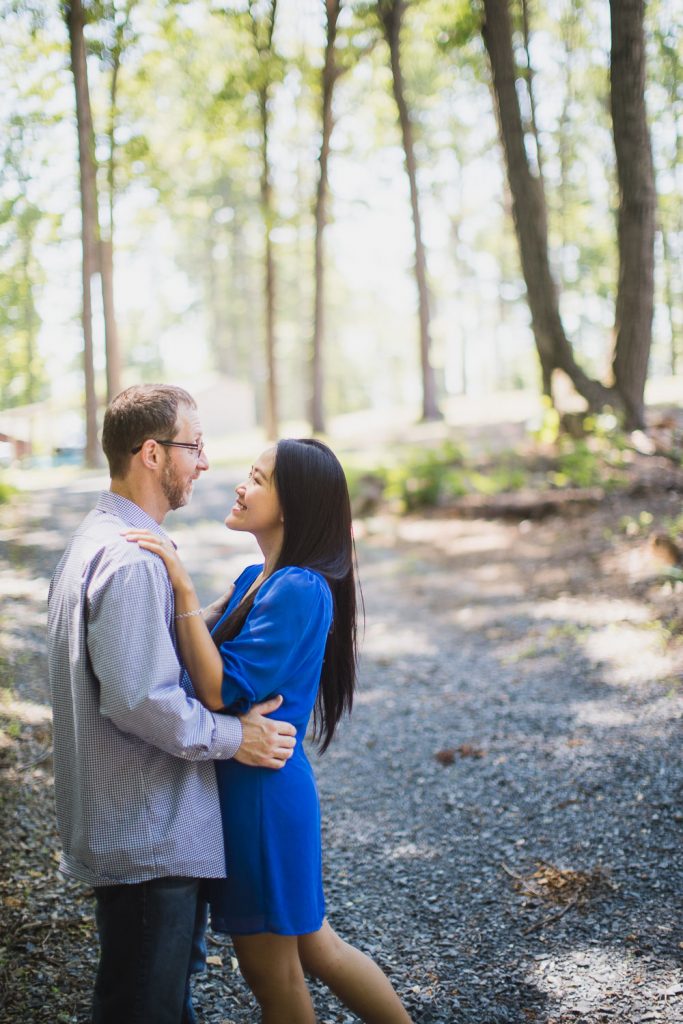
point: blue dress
(271, 817)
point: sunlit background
(188, 230)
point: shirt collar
(128, 511)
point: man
(135, 788)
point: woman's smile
(256, 507)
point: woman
(289, 628)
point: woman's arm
(214, 611)
(199, 653)
(281, 645)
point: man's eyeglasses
(197, 447)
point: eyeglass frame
(197, 446)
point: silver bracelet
(188, 615)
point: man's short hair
(135, 415)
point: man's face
(182, 467)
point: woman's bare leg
(352, 976)
(271, 968)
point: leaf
(469, 750)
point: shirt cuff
(228, 736)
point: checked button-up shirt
(135, 785)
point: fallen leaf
(468, 750)
(215, 961)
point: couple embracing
(181, 778)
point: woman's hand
(177, 573)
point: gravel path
(502, 815)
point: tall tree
(391, 14)
(529, 212)
(330, 73)
(118, 26)
(529, 76)
(262, 18)
(24, 218)
(636, 219)
(75, 20)
(21, 371)
(667, 78)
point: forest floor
(502, 814)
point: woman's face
(257, 508)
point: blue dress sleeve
(282, 643)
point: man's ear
(150, 454)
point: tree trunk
(636, 220)
(75, 21)
(264, 52)
(112, 344)
(30, 315)
(672, 225)
(271, 410)
(530, 216)
(463, 271)
(391, 15)
(670, 302)
(111, 334)
(237, 303)
(330, 73)
(526, 30)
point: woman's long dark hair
(314, 499)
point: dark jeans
(151, 939)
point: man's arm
(137, 667)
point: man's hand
(266, 743)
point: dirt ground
(502, 815)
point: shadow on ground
(519, 707)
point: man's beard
(176, 491)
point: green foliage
(27, 217)
(191, 81)
(502, 476)
(13, 729)
(596, 460)
(426, 478)
(6, 492)
(429, 477)
(547, 430)
(432, 477)
(460, 25)
(673, 526)
(635, 526)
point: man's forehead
(189, 418)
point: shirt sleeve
(136, 665)
(282, 641)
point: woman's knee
(269, 967)
(321, 952)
